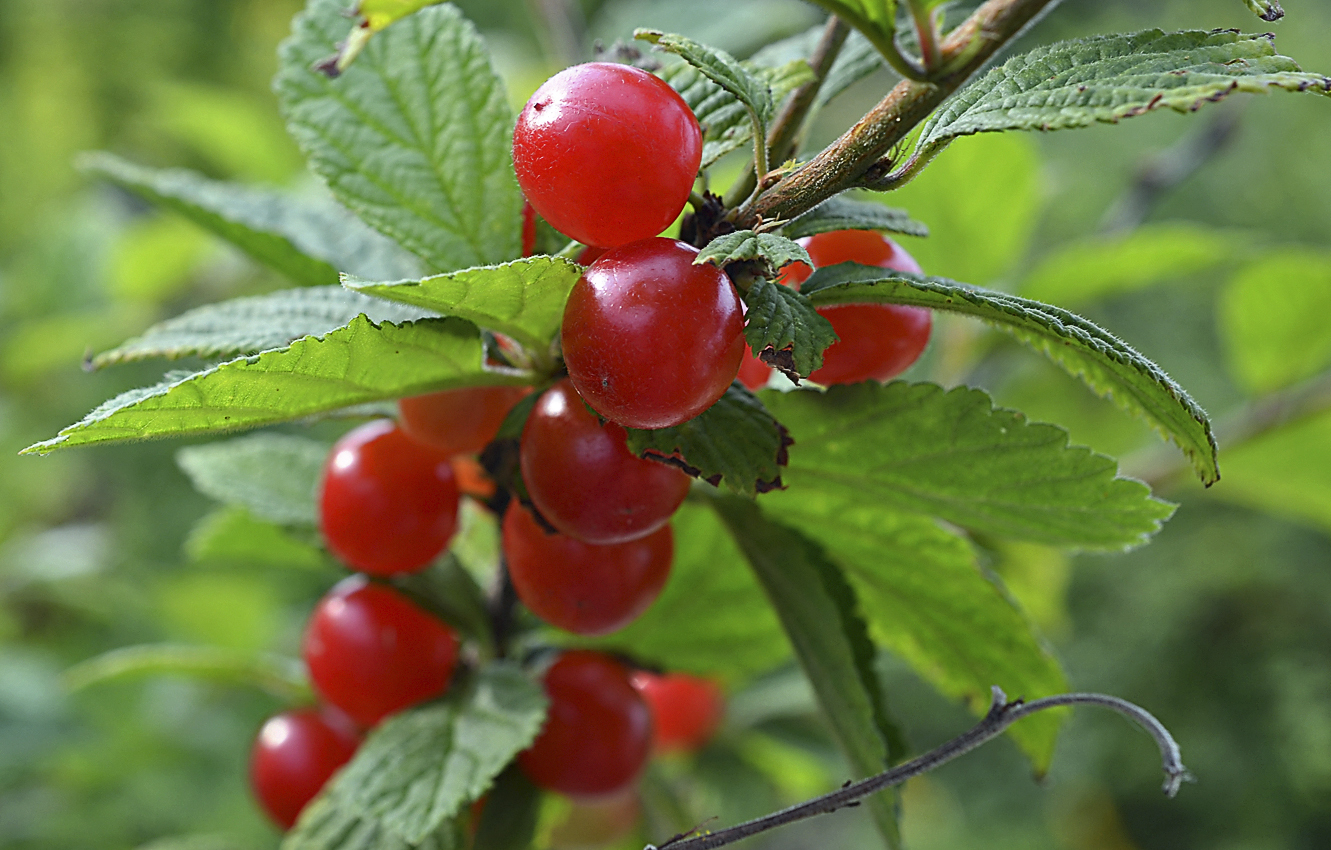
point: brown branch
(844, 163)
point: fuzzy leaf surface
(418, 768)
(841, 213)
(273, 476)
(919, 449)
(359, 363)
(414, 136)
(1106, 364)
(822, 618)
(735, 442)
(733, 633)
(523, 299)
(284, 678)
(783, 319)
(926, 600)
(1111, 77)
(719, 67)
(330, 823)
(303, 239)
(776, 251)
(256, 323)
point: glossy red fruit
(458, 421)
(598, 733)
(686, 710)
(581, 587)
(372, 652)
(876, 341)
(650, 339)
(583, 478)
(528, 229)
(388, 504)
(607, 153)
(295, 753)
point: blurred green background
(1218, 267)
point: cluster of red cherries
(608, 155)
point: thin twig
(1001, 715)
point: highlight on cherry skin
(580, 587)
(294, 755)
(650, 339)
(598, 733)
(583, 478)
(607, 153)
(372, 652)
(387, 504)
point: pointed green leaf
(735, 442)
(783, 320)
(926, 600)
(773, 250)
(359, 363)
(1103, 362)
(418, 768)
(230, 535)
(821, 616)
(719, 67)
(414, 136)
(329, 823)
(305, 240)
(1108, 78)
(919, 449)
(273, 476)
(256, 323)
(1273, 319)
(733, 633)
(523, 299)
(842, 213)
(284, 678)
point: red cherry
(876, 341)
(458, 421)
(686, 710)
(528, 229)
(607, 153)
(583, 478)
(294, 755)
(579, 587)
(388, 503)
(590, 254)
(650, 339)
(598, 733)
(372, 652)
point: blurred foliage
(1220, 626)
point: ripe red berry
(607, 153)
(686, 710)
(583, 478)
(876, 341)
(580, 587)
(372, 652)
(388, 503)
(598, 733)
(528, 229)
(294, 755)
(650, 339)
(458, 421)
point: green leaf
(733, 633)
(523, 299)
(1286, 471)
(735, 442)
(721, 68)
(857, 59)
(875, 19)
(418, 768)
(284, 678)
(783, 320)
(508, 821)
(926, 600)
(229, 534)
(378, 14)
(773, 250)
(1149, 255)
(919, 449)
(304, 240)
(821, 616)
(450, 591)
(1273, 319)
(414, 137)
(329, 823)
(359, 363)
(273, 476)
(842, 213)
(255, 323)
(1103, 362)
(1108, 78)
(1267, 10)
